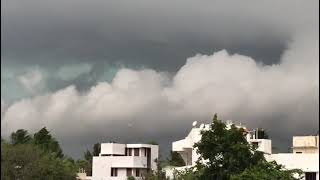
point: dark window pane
(136, 152)
(310, 176)
(129, 172)
(114, 172)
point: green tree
(153, 142)
(175, 159)
(266, 171)
(154, 175)
(96, 149)
(225, 153)
(86, 162)
(45, 141)
(21, 136)
(28, 162)
(131, 178)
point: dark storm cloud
(58, 50)
(159, 35)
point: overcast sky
(135, 71)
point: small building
(119, 161)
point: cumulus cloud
(152, 102)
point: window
(129, 172)
(128, 152)
(137, 172)
(114, 172)
(146, 151)
(255, 144)
(136, 151)
(298, 152)
(310, 176)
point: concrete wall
(305, 162)
(305, 144)
(113, 148)
(264, 145)
(305, 141)
(101, 165)
(154, 156)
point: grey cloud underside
(157, 35)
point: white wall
(264, 145)
(113, 148)
(101, 165)
(305, 162)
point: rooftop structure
(305, 154)
(185, 146)
(305, 144)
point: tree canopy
(225, 154)
(30, 158)
(175, 159)
(46, 142)
(21, 136)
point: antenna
(194, 123)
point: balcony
(127, 161)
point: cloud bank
(282, 98)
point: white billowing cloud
(71, 72)
(233, 85)
(31, 80)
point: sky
(139, 71)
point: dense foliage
(225, 154)
(175, 159)
(86, 162)
(266, 171)
(39, 157)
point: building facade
(119, 161)
(185, 146)
(305, 154)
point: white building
(305, 156)
(185, 146)
(119, 161)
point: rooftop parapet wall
(112, 149)
(306, 141)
